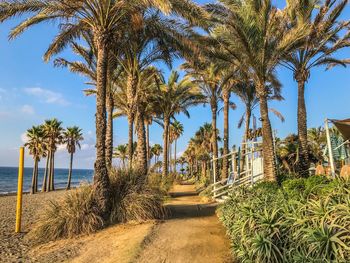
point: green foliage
(306, 220)
(133, 199)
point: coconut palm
(174, 97)
(53, 134)
(36, 146)
(121, 152)
(324, 40)
(72, 137)
(176, 131)
(106, 20)
(254, 34)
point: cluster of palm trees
(244, 43)
(43, 142)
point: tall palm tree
(209, 78)
(324, 40)
(254, 33)
(107, 20)
(36, 146)
(247, 93)
(174, 97)
(53, 134)
(121, 152)
(87, 68)
(177, 130)
(72, 137)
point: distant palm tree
(157, 150)
(53, 135)
(121, 152)
(326, 37)
(252, 33)
(176, 130)
(173, 97)
(72, 137)
(36, 146)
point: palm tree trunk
(101, 180)
(32, 189)
(215, 140)
(52, 183)
(248, 115)
(43, 187)
(131, 139)
(304, 165)
(268, 148)
(175, 156)
(70, 171)
(36, 176)
(49, 182)
(147, 145)
(109, 133)
(225, 163)
(170, 157)
(166, 146)
(141, 144)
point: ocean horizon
(9, 178)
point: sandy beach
(13, 247)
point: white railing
(251, 173)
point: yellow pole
(20, 190)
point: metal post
(19, 191)
(330, 150)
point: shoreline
(39, 192)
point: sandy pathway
(192, 234)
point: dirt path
(192, 234)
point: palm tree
(209, 78)
(72, 137)
(247, 93)
(121, 152)
(172, 98)
(87, 68)
(37, 149)
(176, 130)
(106, 20)
(254, 34)
(322, 43)
(53, 134)
(157, 150)
(317, 141)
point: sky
(32, 91)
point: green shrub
(133, 199)
(271, 224)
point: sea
(9, 178)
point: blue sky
(32, 91)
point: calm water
(9, 176)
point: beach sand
(13, 247)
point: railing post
(252, 165)
(330, 150)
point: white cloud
(24, 137)
(61, 147)
(47, 96)
(86, 146)
(27, 109)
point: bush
(133, 199)
(271, 224)
(68, 217)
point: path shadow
(180, 211)
(181, 194)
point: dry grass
(73, 215)
(133, 199)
